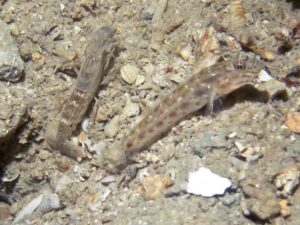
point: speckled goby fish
(198, 91)
(96, 59)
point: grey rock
(11, 64)
(208, 141)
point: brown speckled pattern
(198, 91)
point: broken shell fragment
(205, 183)
(237, 14)
(140, 80)
(184, 51)
(129, 73)
(264, 76)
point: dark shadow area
(295, 3)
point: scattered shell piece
(85, 124)
(207, 50)
(285, 210)
(247, 41)
(287, 181)
(112, 127)
(264, 76)
(240, 146)
(153, 186)
(36, 56)
(62, 7)
(95, 201)
(10, 179)
(43, 203)
(232, 135)
(293, 121)
(81, 172)
(251, 153)
(101, 115)
(205, 183)
(237, 14)
(140, 80)
(27, 210)
(185, 51)
(129, 73)
(131, 109)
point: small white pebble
(232, 135)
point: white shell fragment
(264, 76)
(205, 183)
(43, 203)
(129, 73)
(28, 209)
(140, 80)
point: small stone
(64, 164)
(131, 109)
(151, 158)
(107, 180)
(111, 128)
(207, 141)
(101, 115)
(287, 180)
(129, 73)
(4, 212)
(49, 202)
(37, 174)
(11, 64)
(149, 69)
(43, 155)
(275, 88)
(228, 199)
(261, 199)
(153, 186)
(285, 210)
(293, 121)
